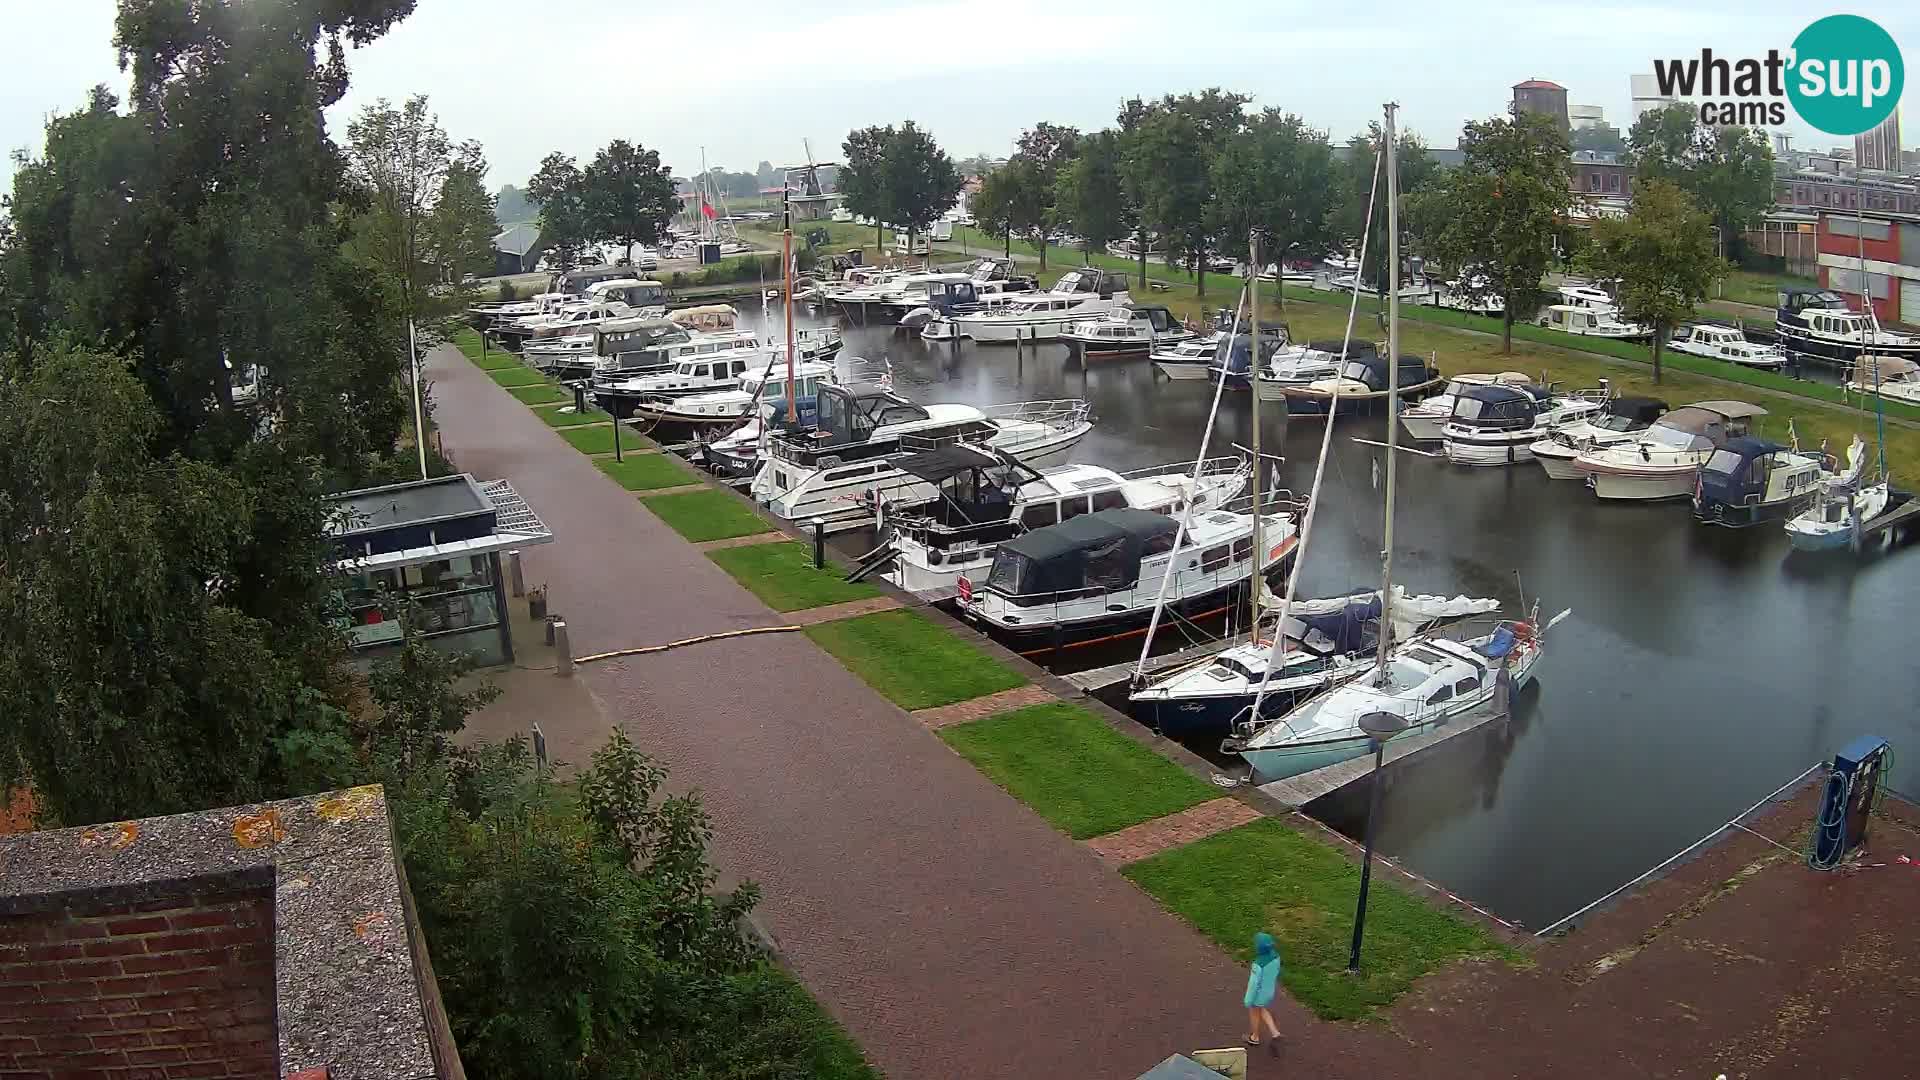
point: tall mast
(1253, 386)
(786, 270)
(1393, 384)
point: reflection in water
(1700, 669)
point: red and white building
(1888, 245)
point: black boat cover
(933, 466)
(1099, 550)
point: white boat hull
(1557, 460)
(1424, 427)
(1488, 453)
(1670, 483)
(997, 331)
(1182, 371)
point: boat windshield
(1225, 670)
(1673, 438)
(1354, 369)
(1611, 422)
(1724, 462)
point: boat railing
(1059, 414)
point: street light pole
(1379, 727)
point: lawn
(783, 577)
(706, 515)
(1074, 770)
(566, 417)
(540, 394)
(488, 357)
(781, 1006)
(596, 440)
(915, 663)
(644, 472)
(1761, 290)
(517, 375)
(1265, 876)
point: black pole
(819, 545)
(580, 398)
(616, 440)
(1366, 863)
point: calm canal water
(1701, 668)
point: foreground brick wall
(163, 990)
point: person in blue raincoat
(1262, 981)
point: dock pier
(1297, 791)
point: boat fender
(1523, 631)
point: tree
(1728, 170)
(461, 229)
(628, 195)
(1024, 197)
(1089, 195)
(1493, 219)
(511, 206)
(559, 189)
(922, 182)
(1276, 177)
(1662, 253)
(1418, 171)
(1048, 148)
(863, 177)
(1170, 148)
(991, 205)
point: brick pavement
(950, 929)
(677, 489)
(982, 707)
(834, 612)
(1150, 838)
(754, 540)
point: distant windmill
(808, 201)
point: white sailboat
(1426, 680)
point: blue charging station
(1855, 784)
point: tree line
(171, 631)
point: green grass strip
(915, 663)
(644, 472)
(783, 577)
(594, 440)
(705, 515)
(517, 375)
(1265, 876)
(540, 394)
(565, 418)
(1074, 770)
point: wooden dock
(1097, 679)
(1906, 511)
(1297, 791)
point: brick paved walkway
(833, 612)
(951, 930)
(732, 541)
(1150, 838)
(982, 707)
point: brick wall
(163, 990)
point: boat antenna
(1199, 464)
(1253, 386)
(786, 269)
(1319, 472)
(1393, 386)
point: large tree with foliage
(1047, 148)
(1021, 199)
(922, 182)
(1727, 169)
(1275, 177)
(559, 190)
(628, 194)
(991, 205)
(1662, 254)
(863, 182)
(1090, 196)
(1355, 179)
(1492, 220)
(1170, 147)
(400, 168)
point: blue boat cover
(1501, 645)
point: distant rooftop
(272, 940)
(1538, 84)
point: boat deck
(1298, 791)
(1094, 680)
(1906, 511)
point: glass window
(1242, 548)
(1157, 545)
(1215, 558)
(1040, 515)
(1073, 507)
(1445, 693)
(739, 366)
(1109, 500)
(1467, 685)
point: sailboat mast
(786, 270)
(1392, 278)
(1253, 384)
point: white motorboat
(725, 409)
(987, 497)
(1574, 294)
(1623, 418)
(1322, 643)
(1818, 324)
(847, 461)
(1294, 366)
(1099, 576)
(1749, 481)
(1426, 682)
(1471, 295)
(507, 311)
(1889, 376)
(1362, 383)
(1591, 322)
(703, 363)
(623, 348)
(1427, 420)
(1189, 359)
(1128, 330)
(1725, 343)
(1498, 425)
(1664, 461)
(1345, 263)
(576, 318)
(1078, 294)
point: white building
(1586, 116)
(1647, 95)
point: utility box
(709, 254)
(1853, 787)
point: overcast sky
(750, 81)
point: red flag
(706, 210)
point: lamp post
(1720, 250)
(1380, 727)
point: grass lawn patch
(540, 394)
(566, 418)
(1265, 876)
(517, 375)
(1074, 770)
(593, 440)
(775, 1005)
(913, 662)
(782, 575)
(644, 472)
(704, 515)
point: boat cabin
(1086, 280)
(848, 417)
(1703, 425)
(1749, 480)
(1712, 338)
(1371, 369)
(1236, 352)
(1804, 301)
(1586, 297)
(946, 293)
(1890, 374)
(1093, 552)
(1494, 407)
(578, 282)
(1629, 414)
(1582, 320)
(706, 317)
(631, 291)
